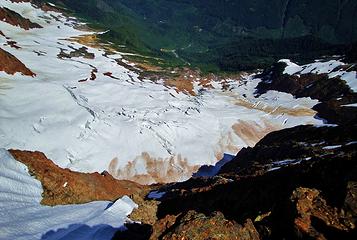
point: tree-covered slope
(225, 34)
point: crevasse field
(137, 129)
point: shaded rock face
(332, 92)
(11, 65)
(292, 146)
(16, 19)
(311, 199)
(63, 186)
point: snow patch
(23, 217)
(332, 147)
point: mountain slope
(217, 34)
(86, 100)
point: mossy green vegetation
(223, 35)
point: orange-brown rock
(63, 186)
(312, 210)
(11, 65)
(197, 226)
(16, 19)
(146, 212)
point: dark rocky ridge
(247, 190)
(297, 183)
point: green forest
(224, 35)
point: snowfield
(23, 217)
(136, 129)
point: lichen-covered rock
(197, 226)
(316, 219)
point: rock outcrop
(63, 186)
(332, 92)
(193, 225)
(312, 198)
(11, 65)
(15, 19)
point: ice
(86, 125)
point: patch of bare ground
(185, 79)
(11, 65)
(92, 40)
(158, 170)
(63, 186)
(181, 85)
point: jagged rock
(11, 65)
(193, 225)
(63, 186)
(248, 188)
(314, 216)
(291, 146)
(146, 212)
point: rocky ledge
(11, 65)
(63, 186)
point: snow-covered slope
(23, 217)
(334, 68)
(137, 129)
